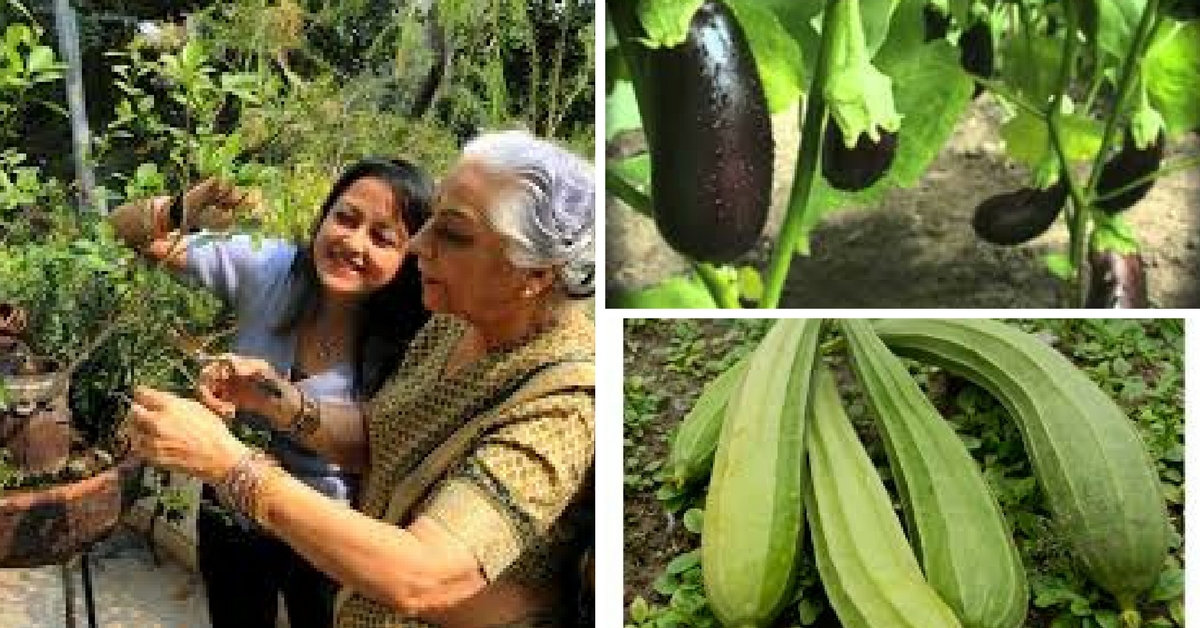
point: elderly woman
(475, 452)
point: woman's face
(464, 268)
(362, 241)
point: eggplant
(977, 52)
(1018, 217)
(1127, 166)
(709, 130)
(857, 167)
(1118, 281)
(937, 23)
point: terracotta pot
(35, 427)
(47, 526)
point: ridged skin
(955, 524)
(1100, 483)
(711, 149)
(866, 565)
(753, 514)
(695, 442)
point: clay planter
(35, 427)
(48, 526)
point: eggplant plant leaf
(1117, 23)
(1027, 138)
(666, 22)
(776, 53)
(1171, 71)
(676, 292)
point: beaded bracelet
(240, 487)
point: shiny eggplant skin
(1127, 166)
(860, 166)
(711, 149)
(1118, 281)
(1018, 217)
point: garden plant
(1094, 94)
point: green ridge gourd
(695, 443)
(1100, 483)
(753, 514)
(954, 522)
(866, 565)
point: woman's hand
(180, 434)
(215, 204)
(232, 382)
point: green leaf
(1171, 71)
(41, 59)
(676, 292)
(1169, 585)
(693, 520)
(621, 110)
(1059, 265)
(1117, 21)
(639, 610)
(683, 562)
(1025, 60)
(1065, 620)
(1176, 610)
(1113, 233)
(809, 610)
(666, 22)
(1027, 138)
(776, 54)
(1106, 618)
(750, 284)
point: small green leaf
(750, 283)
(1106, 618)
(809, 610)
(666, 22)
(1169, 585)
(776, 54)
(1171, 70)
(676, 292)
(1059, 265)
(639, 609)
(683, 562)
(693, 520)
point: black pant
(244, 571)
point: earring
(528, 292)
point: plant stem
(1078, 223)
(628, 193)
(806, 169)
(721, 292)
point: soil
(918, 250)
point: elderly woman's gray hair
(550, 220)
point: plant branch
(628, 193)
(806, 168)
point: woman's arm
(416, 571)
(144, 225)
(153, 226)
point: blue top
(254, 279)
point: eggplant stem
(813, 117)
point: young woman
(334, 316)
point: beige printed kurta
(512, 500)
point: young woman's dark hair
(392, 315)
